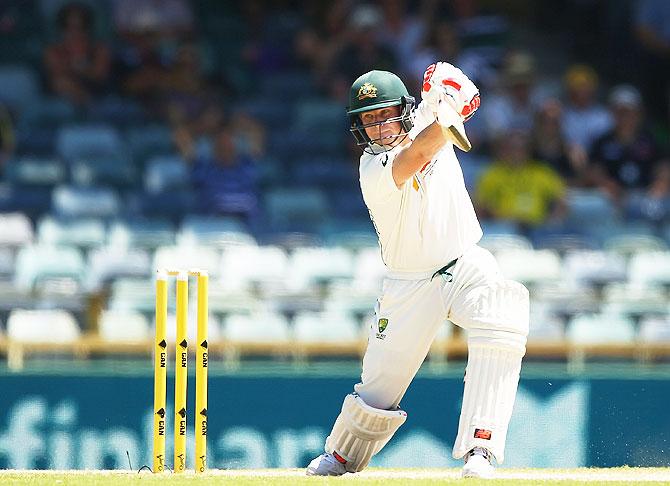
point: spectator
(518, 188)
(652, 204)
(77, 66)
(584, 120)
(401, 31)
(362, 51)
(550, 145)
(624, 158)
(515, 106)
(227, 181)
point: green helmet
(372, 91)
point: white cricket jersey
(426, 223)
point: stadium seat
(530, 266)
(188, 257)
(146, 142)
(82, 141)
(80, 202)
(634, 299)
(35, 264)
(166, 173)
(594, 267)
(317, 112)
(564, 298)
(47, 113)
(114, 171)
(498, 227)
(110, 263)
(351, 234)
(634, 243)
(149, 233)
(42, 326)
(256, 328)
(288, 208)
(32, 201)
(655, 329)
(325, 327)
(226, 300)
(116, 110)
(310, 266)
(369, 270)
(124, 326)
(19, 86)
(213, 328)
(84, 233)
(650, 268)
(495, 242)
(243, 266)
(17, 230)
(586, 206)
(212, 231)
(600, 329)
(33, 171)
(7, 263)
(545, 325)
(128, 294)
(172, 205)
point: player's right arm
(413, 157)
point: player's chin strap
(361, 431)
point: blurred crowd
(225, 76)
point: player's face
(381, 131)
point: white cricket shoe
(325, 465)
(478, 464)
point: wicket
(181, 370)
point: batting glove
(446, 83)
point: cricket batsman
(428, 232)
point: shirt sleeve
(376, 176)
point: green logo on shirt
(382, 324)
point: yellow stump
(201, 376)
(160, 372)
(180, 374)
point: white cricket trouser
(408, 317)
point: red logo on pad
(482, 434)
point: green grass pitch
(376, 477)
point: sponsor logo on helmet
(368, 90)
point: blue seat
(325, 171)
(116, 110)
(118, 171)
(19, 86)
(142, 233)
(499, 227)
(80, 141)
(351, 234)
(166, 173)
(47, 113)
(349, 204)
(586, 206)
(292, 208)
(34, 201)
(288, 84)
(272, 110)
(36, 141)
(317, 113)
(35, 171)
(145, 142)
(213, 231)
(172, 205)
(79, 202)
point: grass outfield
(376, 477)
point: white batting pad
(361, 431)
(491, 380)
